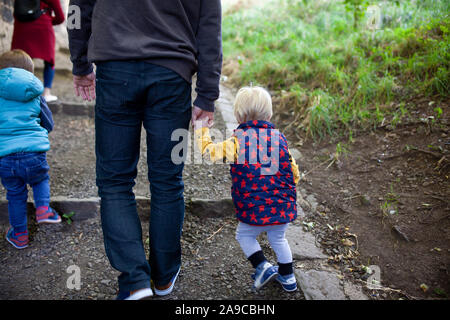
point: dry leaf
(347, 242)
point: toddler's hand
(200, 123)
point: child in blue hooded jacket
(25, 122)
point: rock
(106, 282)
(319, 285)
(312, 202)
(427, 183)
(300, 212)
(302, 203)
(303, 244)
(6, 25)
(400, 232)
(296, 154)
(354, 292)
(364, 200)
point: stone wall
(7, 21)
(61, 31)
(6, 24)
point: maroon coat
(37, 38)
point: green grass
(338, 78)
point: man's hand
(206, 118)
(85, 86)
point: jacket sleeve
(79, 34)
(46, 116)
(58, 18)
(294, 166)
(209, 54)
(217, 152)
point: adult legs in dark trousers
(185, 38)
(132, 94)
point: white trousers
(246, 236)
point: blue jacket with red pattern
(263, 187)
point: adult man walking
(146, 52)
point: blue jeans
(49, 74)
(16, 171)
(132, 94)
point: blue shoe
(263, 274)
(18, 239)
(140, 294)
(288, 282)
(163, 291)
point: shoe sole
(15, 246)
(266, 281)
(169, 290)
(284, 288)
(141, 294)
(49, 221)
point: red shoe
(47, 215)
(19, 240)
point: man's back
(182, 35)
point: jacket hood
(19, 85)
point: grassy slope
(335, 78)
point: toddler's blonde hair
(252, 103)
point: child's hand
(200, 123)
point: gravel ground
(213, 267)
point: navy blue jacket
(46, 116)
(263, 189)
(182, 35)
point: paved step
(72, 108)
(303, 244)
(83, 209)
